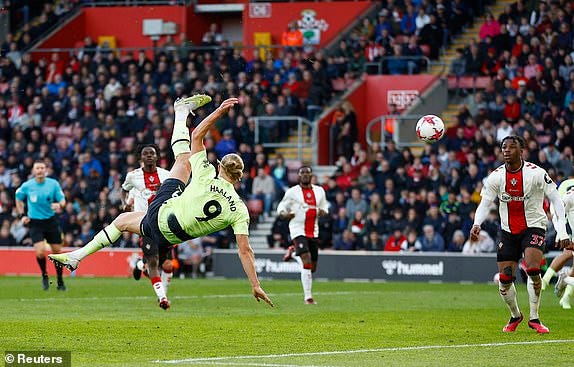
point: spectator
(345, 242)
(190, 256)
(264, 189)
(431, 240)
(484, 244)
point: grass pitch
(116, 322)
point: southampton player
(139, 189)
(302, 205)
(563, 290)
(43, 196)
(179, 213)
(520, 188)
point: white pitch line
(257, 364)
(357, 351)
(209, 296)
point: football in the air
(430, 128)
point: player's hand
(322, 213)
(259, 294)
(474, 233)
(55, 206)
(226, 105)
(566, 244)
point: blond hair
(232, 165)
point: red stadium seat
(338, 84)
(255, 208)
(426, 50)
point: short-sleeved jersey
(40, 196)
(208, 204)
(143, 186)
(566, 192)
(521, 196)
(305, 204)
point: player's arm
(127, 187)
(284, 208)
(247, 258)
(323, 204)
(559, 219)
(60, 199)
(205, 125)
(487, 196)
(20, 197)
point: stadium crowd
(85, 115)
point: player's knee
(533, 272)
(167, 266)
(506, 276)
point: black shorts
(512, 246)
(305, 244)
(154, 243)
(45, 229)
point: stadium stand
(93, 110)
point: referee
(43, 195)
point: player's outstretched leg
(128, 222)
(180, 139)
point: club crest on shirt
(151, 179)
(309, 195)
(513, 181)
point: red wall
(370, 102)
(125, 23)
(105, 263)
(337, 14)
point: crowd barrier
(104, 263)
(359, 265)
(333, 265)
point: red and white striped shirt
(305, 204)
(143, 186)
(520, 195)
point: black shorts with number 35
(154, 243)
(512, 246)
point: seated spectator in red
(490, 27)
(512, 109)
(395, 240)
(516, 81)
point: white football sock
(166, 280)
(508, 294)
(533, 295)
(307, 281)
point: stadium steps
(466, 38)
(449, 114)
(258, 235)
(292, 153)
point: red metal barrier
(105, 263)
